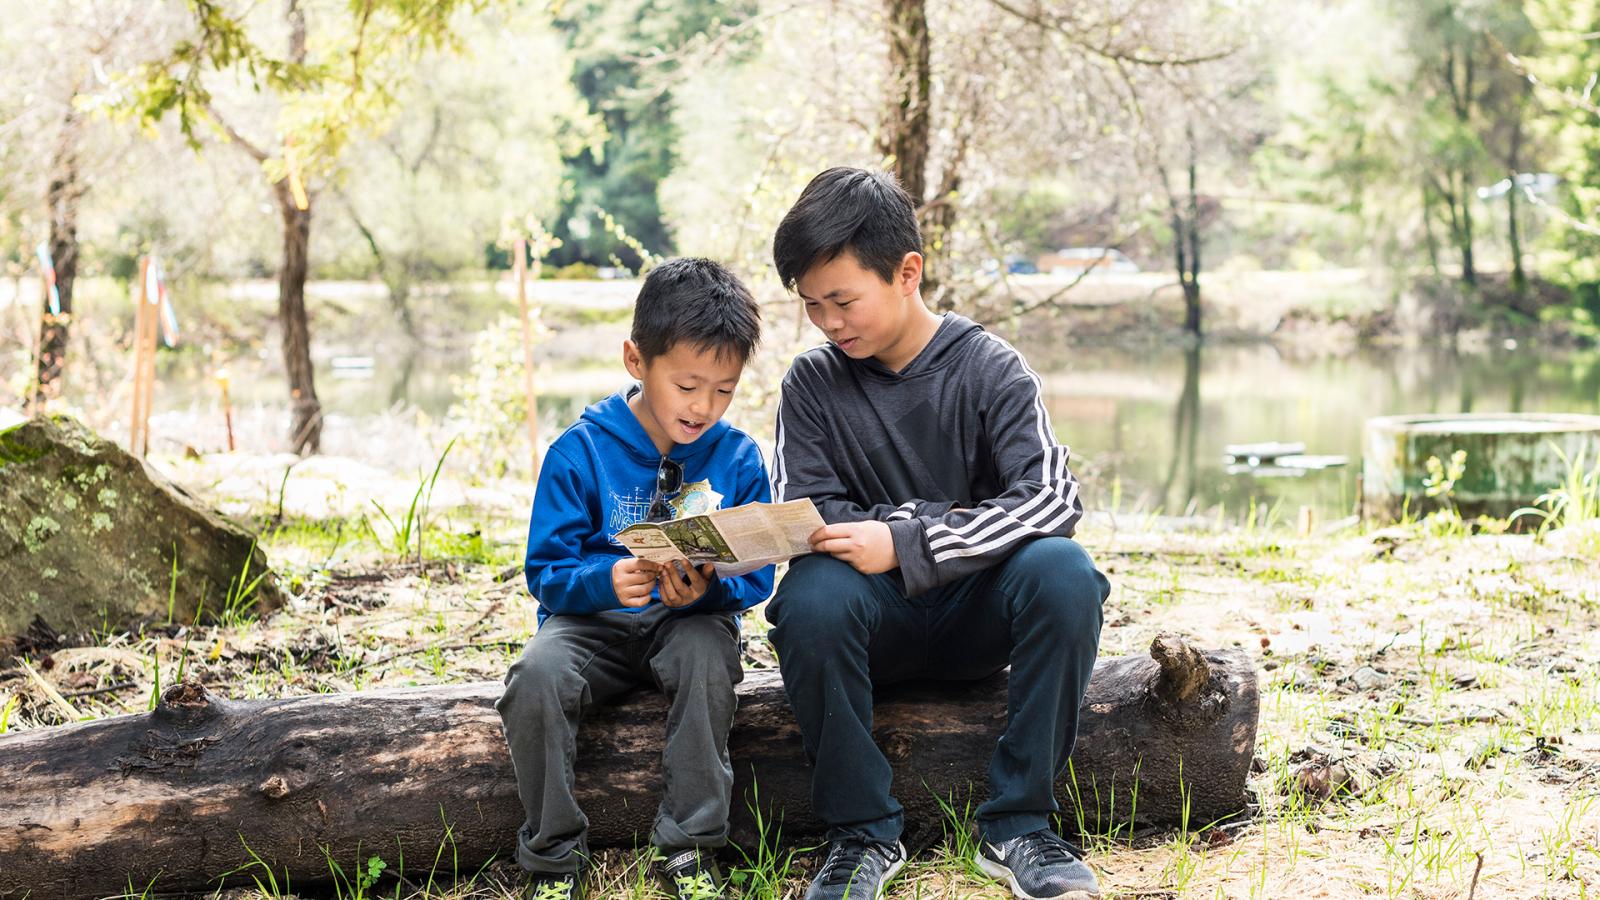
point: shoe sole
(888, 876)
(999, 872)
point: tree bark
(62, 196)
(186, 793)
(305, 433)
(906, 114)
(1191, 278)
(305, 430)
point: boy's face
(684, 391)
(858, 311)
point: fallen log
(202, 786)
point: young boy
(610, 622)
(925, 444)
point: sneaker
(857, 869)
(692, 875)
(551, 886)
(1039, 866)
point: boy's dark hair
(865, 212)
(695, 300)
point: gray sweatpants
(574, 662)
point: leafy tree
(336, 79)
(625, 58)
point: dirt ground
(1430, 721)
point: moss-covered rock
(91, 537)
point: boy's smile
(865, 316)
(683, 392)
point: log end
(187, 704)
(1184, 670)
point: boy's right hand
(633, 579)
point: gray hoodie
(955, 451)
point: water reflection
(1143, 430)
(1147, 426)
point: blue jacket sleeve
(558, 574)
(744, 591)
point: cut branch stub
(1184, 671)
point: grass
(1473, 756)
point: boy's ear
(632, 359)
(909, 277)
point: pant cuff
(1004, 828)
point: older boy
(924, 442)
(610, 622)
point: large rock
(89, 534)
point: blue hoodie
(598, 478)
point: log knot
(187, 703)
(1184, 671)
(274, 788)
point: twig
(1473, 891)
(1452, 720)
(50, 691)
(100, 690)
(435, 645)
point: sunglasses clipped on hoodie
(669, 482)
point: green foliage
(764, 872)
(414, 522)
(490, 407)
(1576, 501)
(623, 52)
(1562, 69)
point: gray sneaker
(1039, 866)
(857, 869)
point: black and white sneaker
(857, 869)
(692, 875)
(1039, 866)
(551, 886)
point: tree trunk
(1519, 278)
(194, 789)
(62, 196)
(1191, 279)
(305, 433)
(305, 429)
(906, 112)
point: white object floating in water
(1260, 471)
(1311, 462)
(1255, 454)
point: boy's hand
(867, 546)
(675, 592)
(632, 578)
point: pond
(1147, 424)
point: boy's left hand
(682, 584)
(867, 546)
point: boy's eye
(684, 389)
(846, 304)
(725, 391)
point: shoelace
(698, 885)
(1045, 847)
(845, 859)
(553, 891)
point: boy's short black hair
(695, 300)
(863, 211)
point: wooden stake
(519, 253)
(152, 325)
(140, 313)
(227, 407)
